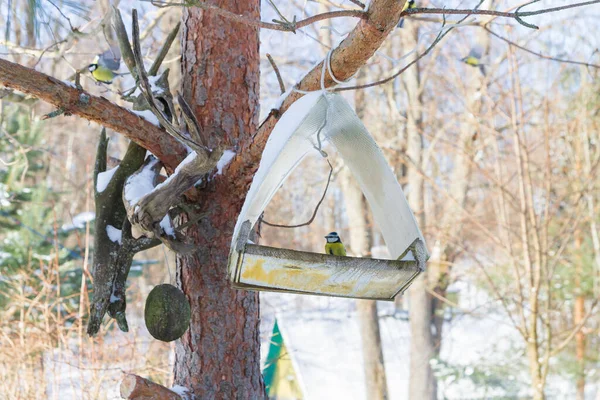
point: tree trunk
(422, 384)
(219, 356)
(360, 246)
(578, 316)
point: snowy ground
(479, 357)
(323, 338)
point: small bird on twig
(334, 245)
(474, 59)
(409, 5)
(105, 66)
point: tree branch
(137, 388)
(540, 55)
(277, 73)
(93, 108)
(286, 26)
(351, 54)
(577, 328)
(262, 24)
(515, 15)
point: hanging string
(326, 67)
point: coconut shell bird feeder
(316, 118)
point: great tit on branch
(105, 65)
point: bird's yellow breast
(472, 61)
(103, 74)
(335, 249)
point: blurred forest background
(500, 169)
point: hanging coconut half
(167, 313)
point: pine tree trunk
(219, 356)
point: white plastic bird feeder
(313, 119)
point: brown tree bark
(219, 356)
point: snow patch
(166, 226)
(104, 179)
(113, 298)
(147, 115)
(225, 159)
(113, 234)
(182, 391)
(190, 157)
(79, 221)
(140, 184)
(155, 89)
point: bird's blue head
(333, 237)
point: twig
(358, 3)
(123, 40)
(439, 37)
(291, 27)
(63, 15)
(192, 122)
(577, 328)
(267, 25)
(54, 114)
(562, 60)
(147, 91)
(164, 50)
(314, 212)
(277, 73)
(516, 15)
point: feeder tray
(310, 121)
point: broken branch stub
(135, 387)
(114, 247)
(148, 204)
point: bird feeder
(315, 118)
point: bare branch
(358, 3)
(561, 60)
(285, 27)
(93, 108)
(123, 41)
(164, 50)
(517, 15)
(147, 92)
(277, 73)
(579, 326)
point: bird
(105, 65)
(409, 5)
(334, 245)
(474, 59)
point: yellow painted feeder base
(273, 269)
